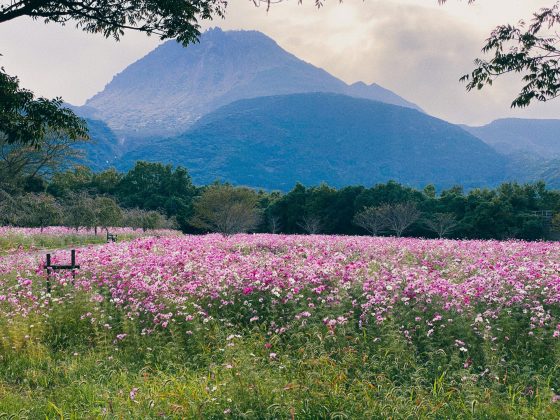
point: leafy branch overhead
(165, 18)
(530, 50)
(27, 119)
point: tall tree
(153, 186)
(108, 213)
(80, 212)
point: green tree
(80, 212)
(26, 119)
(71, 182)
(106, 182)
(39, 210)
(290, 207)
(153, 186)
(108, 213)
(226, 209)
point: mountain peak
(170, 88)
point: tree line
(156, 195)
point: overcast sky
(416, 48)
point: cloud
(413, 47)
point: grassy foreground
(277, 327)
(64, 368)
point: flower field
(271, 326)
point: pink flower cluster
(290, 281)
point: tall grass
(65, 366)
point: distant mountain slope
(273, 142)
(103, 150)
(512, 135)
(171, 87)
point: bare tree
(146, 220)
(442, 224)
(311, 224)
(18, 161)
(227, 209)
(274, 224)
(371, 219)
(398, 217)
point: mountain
(274, 142)
(103, 150)
(166, 91)
(377, 93)
(516, 135)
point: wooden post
(48, 273)
(73, 264)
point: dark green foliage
(510, 210)
(153, 186)
(531, 51)
(164, 18)
(27, 119)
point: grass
(63, 367)
(14, 242)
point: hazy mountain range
(239, 108)
(170, 88)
